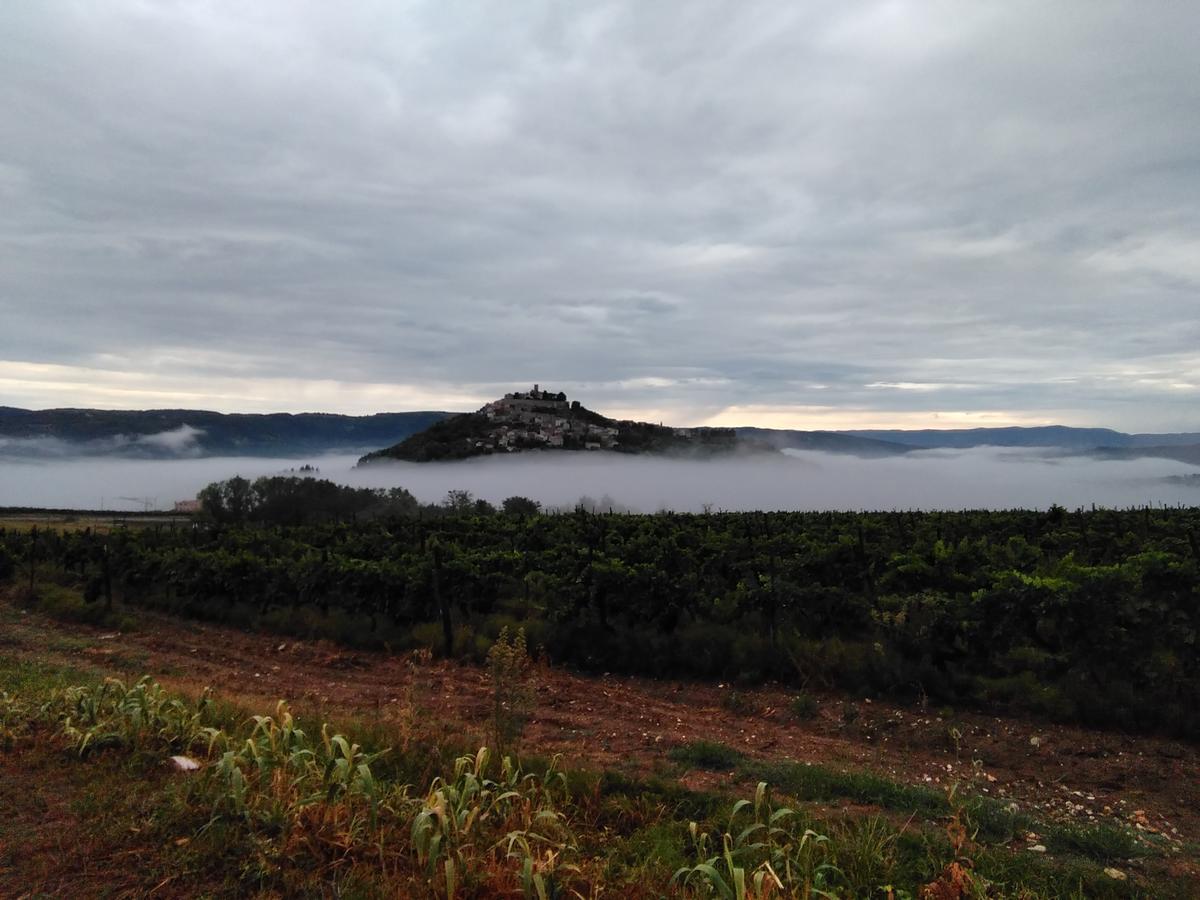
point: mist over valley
(976, 478)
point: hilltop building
(525, 419)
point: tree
(521, 506)
(459, 502)
(228, 501)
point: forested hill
(167, 433)
(572, 428)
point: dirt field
(630, 724)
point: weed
(511, 673)
(849, 713)
(866, 854)
(738, 703)
(954, 738)
(804, 706)
(412, 708)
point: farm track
(630, 724)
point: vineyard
(1088, 616)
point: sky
(808, 215)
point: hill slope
(544, 420)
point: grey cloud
(766, 197)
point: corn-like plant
(293, 793)
(276, 741)
(229, 787)
(276, 774)
(347, 768)
(140, 717)
(472, 817)
(773, 852)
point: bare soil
(1059, 772)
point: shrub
(804, 706)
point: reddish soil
(630, 723)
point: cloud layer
(941, 479)
(824, 214)
(181, 442)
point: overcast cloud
(821, 214)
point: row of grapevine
(1086, 614)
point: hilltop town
(547, 420)
(537, 418)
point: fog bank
(183, 441)
(934, 479)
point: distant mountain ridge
(169, 433)
(172, 433)
(822, 441)
(1064, 436)
(1102, 443)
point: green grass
(822, 784)
(38, 679)
(710, 755)
(65, 602)
(1102, 843)
(989, 821)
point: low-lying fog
(933, 479)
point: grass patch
(1102, 843)
(619, 792)
(822, 784)
(67, 604)
(1020, 874)
(710, 755)
(991, 821)
(27, 678)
